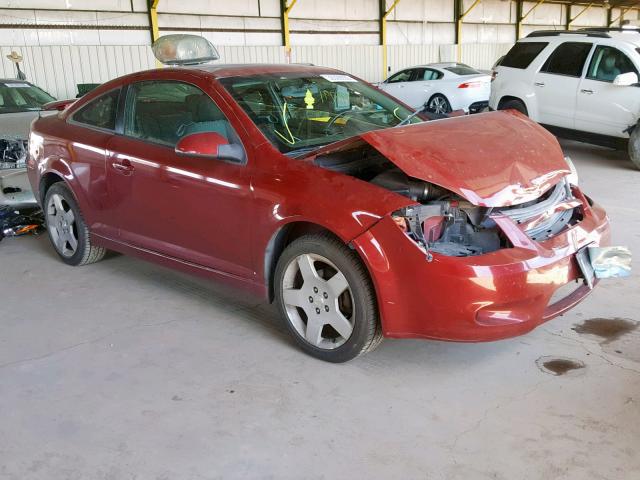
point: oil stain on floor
(558, 365)
(609, 329)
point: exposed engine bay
(14, 184)
(444, 222)
(13, 152)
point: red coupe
(311, 187)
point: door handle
(588, 92)
(123, 166)
(539, 84)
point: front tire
(439, 104)
(325, 295)
(634, 147)
(67, 230)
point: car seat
(207, 117)
(607, 69)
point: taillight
(470, 85)
(494, 74)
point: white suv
(579, 84)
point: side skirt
(587, 137)
(248, 285)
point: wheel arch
(441, 94)
(46, 181)
(507, 98)
(283, 237)
(529, 102)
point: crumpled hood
(494, 159)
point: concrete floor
(125, 370)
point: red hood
(492, 159)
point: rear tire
(439, 104)
(634, 147)
(514, 105)
(326, 298)
(67, 230)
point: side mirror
(626, 79)
(210, 145)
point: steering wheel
(332, 122)
(343, 114)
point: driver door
(398, 85)
(603, 107)
(190, 208)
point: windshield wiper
(414, 114)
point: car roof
(14, 80)
(439, 65)
(631, 37)
(248, 69)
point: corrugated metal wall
(58, 69)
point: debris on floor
(20, 221)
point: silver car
(20, 103)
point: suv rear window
(567, 59)
(522, 54)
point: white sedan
(445, 86)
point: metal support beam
(619, 18)
(384, 13)
(285, 8)
(521, 18)
(570, 19)
(459, 20)
(153, 19)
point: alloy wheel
(439, 105)
(61, 224)
(318, 301)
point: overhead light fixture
(181, 49)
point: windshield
(299, 111)
(22, 97)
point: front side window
(607, 63)
(165, 111)
(522, 54)
(568, 59)
(100, 112)
(403, 76)
(298, 111)
(18, 96)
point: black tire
(438, 97)
(366, 332)
(514, 105)
(634, 147)
(85, 252)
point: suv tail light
(470, 85)
(494, 74)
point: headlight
(573, 176)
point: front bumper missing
(478, 298)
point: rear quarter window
(522, 54)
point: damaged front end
(13, 152)
(14, 184)
(452, 226)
